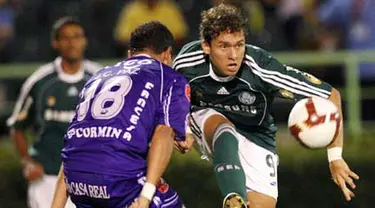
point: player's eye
(223, 46)
(240, 45)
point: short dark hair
(62, 22)
(152, 35)
(221, 18)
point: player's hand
(184, 146)
(140, 202)
(32, 170)
(343, 176)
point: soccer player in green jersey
(233, 86)
(46, 104)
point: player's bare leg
(259, 200)
(221, 138)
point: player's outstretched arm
(61, 195)
(340, 171)
(32, 170)
(157, 161)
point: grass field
(304, 179)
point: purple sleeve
(176, 107)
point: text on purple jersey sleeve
(176, 107)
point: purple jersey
(88, 190)
(118, 111)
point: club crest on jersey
(163, 186)
(286, 94)
(246, 98)
(22, 116)
(51, 101)
(73, 91)
(198, 94)
(312, 79)
(187, 91)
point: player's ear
(85, 42)
(167, 56)
(129, 53)
(206, 47)
(54, 44)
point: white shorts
(259, 164)
(40, 193)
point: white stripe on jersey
(198, 77)
(283, 79)
(188, 64)
(166, 107)
(92, 67)
(161, 82)
(42, 72)
(173, 199)
(190, 59)
(188, 54)
(278, 84)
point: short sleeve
(176, 107)
(21, 117)
(287, 82)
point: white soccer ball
(314, 122)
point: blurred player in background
(233, 86)
(121, 138)
(46, 105)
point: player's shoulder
(256, 52)
(91, 67)
(172, 75)
(257, 57)
(193, 46)
(40, 74)
(190, 55)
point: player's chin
(73, 57)
(231, 72)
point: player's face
(71, 42)
(226, 52)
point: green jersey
(46, 104)
(246, 99)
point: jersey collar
(69, 78)
(142, 54)
(217, 78)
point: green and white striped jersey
(246, 99)
(47, 103)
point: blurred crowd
(275, 25)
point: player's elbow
(335, 94)
(335, 97)
(163, 132)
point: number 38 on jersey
(108, 102)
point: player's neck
(214, 75)
(71, 67)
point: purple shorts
(88, 190)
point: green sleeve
(191, 60)
(23, 113)
(284, 81)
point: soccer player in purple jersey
(127, 120)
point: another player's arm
(172, 120)
(340, 171)
(18, 123)
(339, 140)
(61, 195)
(158, 158)
(288, 82)
(19, 139)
